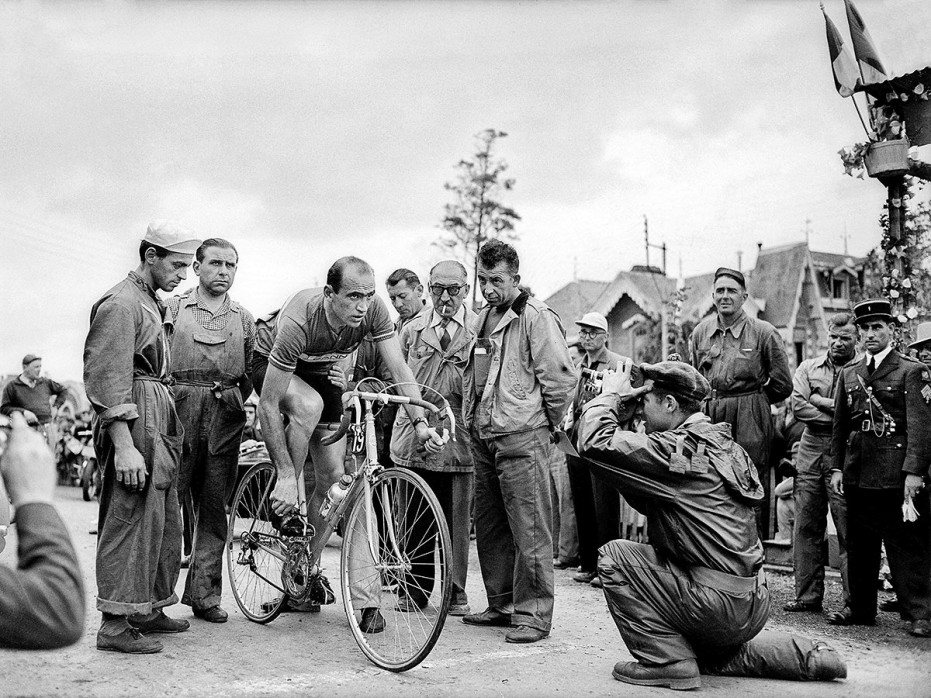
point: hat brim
(920, 344)
(876, 316)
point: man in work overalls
(210, 349)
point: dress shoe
(920, 628)
(846, 617)
(130, 641)
(489, 617)
(214, 614)
(459, 609)
(562, 563)
(596, 582)
(825, 664)
(585, 577)
(159, 624)
(890, 606)
(372, 621)
(680, 676)
(291, 606)
(802, 607)
(523, 634)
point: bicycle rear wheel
(407, 581)
(254, 552)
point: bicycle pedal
(320, 591)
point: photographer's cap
(171, 236)
(677, 378)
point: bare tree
(476, 213)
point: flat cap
(873, 309)
(29, 358)
(732, 273)
(172, 236)
(596, 320)
(924, 336)
(678, 378)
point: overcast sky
(306, 131)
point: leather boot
(679, 676)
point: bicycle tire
(254, 572)
(413, 599)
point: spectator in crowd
(813, 392)
(922, 345)
(42, 603)
(517, 385)
(436, 345)
(565, 530)
(881, 454)
(406, 295)
(211, 351)
(694, 599)
(32, 395)
(597, 504)
(745, 362)
(137, 436)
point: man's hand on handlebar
(431, 439)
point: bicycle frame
(362, 404)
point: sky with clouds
(306, 131)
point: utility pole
(807, 231)
(664, 329)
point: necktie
(445, 339)
(871, 366)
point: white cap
(596, 320)
(172, 236)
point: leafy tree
(476, 213)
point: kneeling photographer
(693, 600)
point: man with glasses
(436, 345)
(744, 359)
(597, 505)
(517, 386)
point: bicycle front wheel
(395, 570)
(254, 551)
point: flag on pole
(871, 68)
(846, 75)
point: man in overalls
(744, 359)
(138, 441)
(210, 349)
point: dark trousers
(513, 519)
(875, 517)
(205, 480)
(597, 511)
(454, 493)
(813, 493)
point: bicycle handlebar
(353, 397)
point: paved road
(316, 655)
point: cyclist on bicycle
(296, 373)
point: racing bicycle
(395, 553)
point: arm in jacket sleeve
(552, 365)
(776, 366)
(808, 407)
(918, 421)
(634, 463)
(108, 363)
(839, 430)
(42, 601)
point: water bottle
(335, 494)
